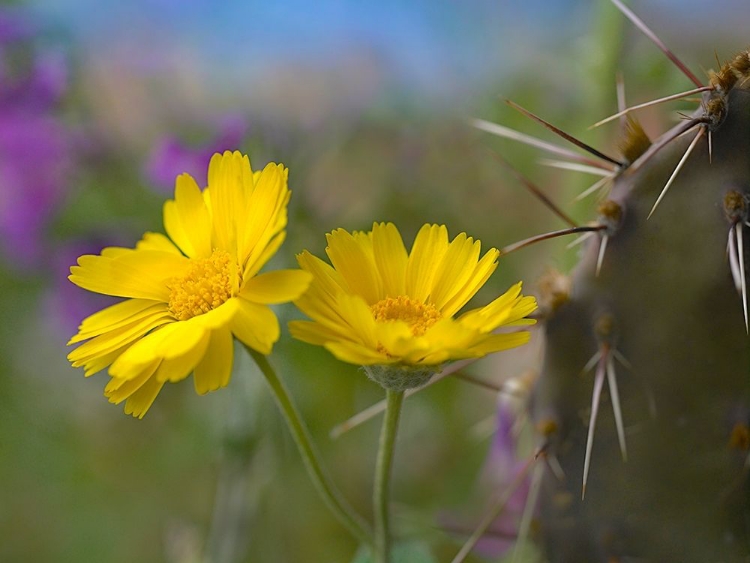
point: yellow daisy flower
(381, 306)
(190, 293)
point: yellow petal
(180, 359)
(215, 368)
(156, 241)
(429, 247)
(313, 333)
(114, 339)
(187, 220)
(140, 401)
(352, 256)
(217, 318)
(390, 258)
(452, 335)
(509, 307)
(176, 230)
(481, 273)
(358, 316)
(135, 273)
(262, 254)
(521, 308)
(396, 338)
(454, 270)
(328, 317)
(228, 175)
(279, 286)
(327, 284)
(182, 340)
(131, 362)
(114, 317)
(117, 390)
(255, 326)
(355, 353)
(266, 204)
(497, 342)
(95, 365)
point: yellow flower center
(207, 284)
(419, 316)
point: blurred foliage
(80, 481)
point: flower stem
(332, 497)
(383, 474)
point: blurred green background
(103, 104)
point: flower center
(419, 316)
(207, 284)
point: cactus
(642, 399)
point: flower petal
(390, 257)
(358, 316)
(322, 296)
(454, 270)
(255, 326)
(215, 368)
(98, 363)
(157, 241)
(508, 308)
(352, 257)
(140, 401)
(186, 219)
(229, 181)
(355, 353)
(181, 350)
(131, 363)
(279, 286)
(114, 317)
(429, 247)
(313, 333)
(266, 204)
(479, 276)
(118, 337)
(497, 342)
(134, 273)
(117, 390)
(397, 339)
(258, 259)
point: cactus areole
(665, 324)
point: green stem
(383, 474)
(332, 497)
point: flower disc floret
(378, 305)
(419, 316)
(206, 286)
(188, 294)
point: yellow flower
(381, 306)
(190, 294)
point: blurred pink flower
(35, 148)
(172, 157)
(501, 469)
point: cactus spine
(658, 317)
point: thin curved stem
(394, 399)
(496, 508)
(320, 478)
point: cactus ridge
(664, 296)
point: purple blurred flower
(501, 471)
(34, 161)
(12, 26)
(171, 157)
(501, 468)
(35, 153)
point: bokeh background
(102, 104)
